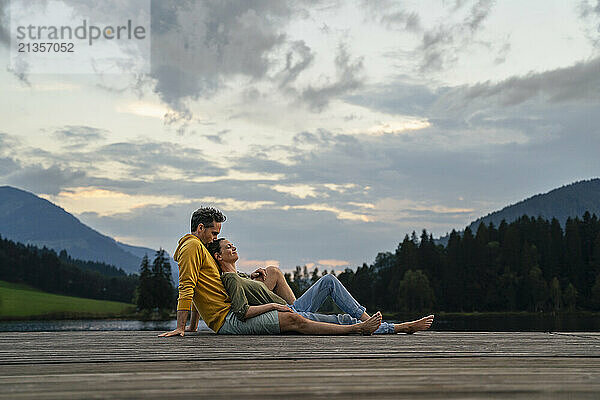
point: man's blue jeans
(308, 304)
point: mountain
(29, 219)
(571, 200)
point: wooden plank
(377, 378)
(67, 347)
(69, 365)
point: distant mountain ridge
(571, 200)
(29, 219)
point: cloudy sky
(325, 130)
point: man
(199, 280)
(200, 284)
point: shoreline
(69, 316)
(390, 316)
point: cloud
(104, 202)
(590, 15)
(390, 210)
(464, 107)
(8, 165)
(579, 82)
(79, 135)
(50, 180)
(391, 15)
(339, 213)
(502, 53)
(397, 97)
(218, 138)
(409, 21)
(147, 225)
(144, 109)
(149, 158)
(340, 188)
(195, 45)
(333, 263)
(252, 265)
(440, 45)
(300, 191)
(4, 23)
(467, 146)
(297, 59)
(397, 127)
(235, 204)
(8, 141)
(472, 143)
(587, 8)
(50, 87)
(349, 78)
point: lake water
(573, 322)
(90, 325)
(525, 322)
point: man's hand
(176, 332)
(181, 320)
(259, 275)
(281, 307)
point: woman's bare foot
(370, 325)
(414, 326)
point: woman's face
(228, 251)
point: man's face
(207, 235)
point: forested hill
(571, 200)
(530, 264)
(29, 219)
(45, 270)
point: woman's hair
(214, 247)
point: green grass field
(21, 301)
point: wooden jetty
(440, 365)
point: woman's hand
(253, 311)
(259, 275)
(280, 307)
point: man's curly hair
(206, 216)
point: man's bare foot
(414, 326)
(370, 325)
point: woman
(251, 298)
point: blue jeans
(308, 304)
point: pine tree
(538, 289)
(292, 283)
(595, 297)
(161, 282)
(144, 292)
(555, 294)
(314, 277)
(570, 297)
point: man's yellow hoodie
(200, 282)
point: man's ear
(200, 228)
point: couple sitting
(233, 304)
